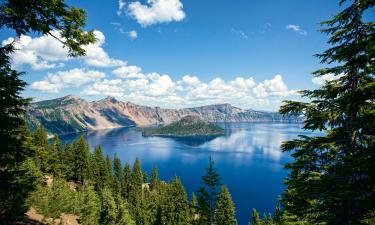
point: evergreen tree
(255, 220)
(124, 217)
(90, 212)
(55, 164)
(208, 194)
(81, 167)
(135, 192)
(154, 178)
(331, 179)
(108, 172)
(23, 17)
(125, 186)
(108, 214)
(16, 181)
(225, 211)
(174, 209)
(98, 169)
(117, 172)
(40, 141)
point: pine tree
(124, 217)
(255, 220)
(81, 167)
(208, 194)
(117, 172)
(108, 172)
(135, 192)
(125, 186)
(278, 218)
(332, 177)
(97, 168)
(174, 209)
(55, 164)
(108, 214)
(154, 178)
(16, 181)
(40, 142)
(90, 212)
(225, 212)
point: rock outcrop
(72, 114)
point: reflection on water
(248, 158)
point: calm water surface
(248, 158)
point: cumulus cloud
(128, 72)
(54, 82)
(155, 11)
(296, 28)
(160, 90)
(46, 52)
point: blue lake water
(248, 159)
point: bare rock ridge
(71, 114)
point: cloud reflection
(266, 144)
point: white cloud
(296, 28)
(54, 82)
(128, 72)
(132, 34)
(321, 80)
(155, 11)
(160, 90)
(45, 52)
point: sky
(183, 53)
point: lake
(248, 159)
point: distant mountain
(187, 126)
(71, 114)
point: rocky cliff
(73, 114)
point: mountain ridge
(71, 114)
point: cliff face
(73, 114)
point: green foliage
(97, 168)
(109, 212)
(81, 157)
(174, 209)
(40, 141)
(225, 213)
(331, 180)
(125, 185)
(187, 126)
(117, 172)
(135, 192)
(90, 211)
(154, 178)
(255, 220)
(51, 202)
(208, 194)
(28, 16)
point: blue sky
(181, 53)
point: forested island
(188, 126)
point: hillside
(72, 114)
(187, 126)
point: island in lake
(188, 126)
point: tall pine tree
(225, 212)
(332, 178)
(208, 193)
